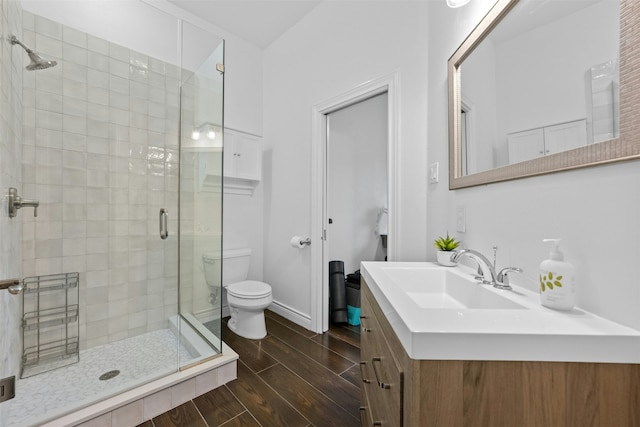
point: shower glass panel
(201, 135)
(101, 150)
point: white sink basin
(441, 313)
(442, 289)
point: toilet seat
(249, 289)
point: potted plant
(445, 246)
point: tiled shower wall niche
(100, 152)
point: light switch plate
(433, 173)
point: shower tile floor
(139, 359)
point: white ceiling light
(456, 3)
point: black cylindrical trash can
(337, 292)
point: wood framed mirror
(620, 139)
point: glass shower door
(200, 195)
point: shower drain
(109, 375)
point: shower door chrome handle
(164, 231)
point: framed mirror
(544, 86)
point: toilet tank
(212, 266)
(235, 264)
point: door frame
(319, 252)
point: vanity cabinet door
(383, 377)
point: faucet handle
(16, 202)
(33, 203)
(503, 276)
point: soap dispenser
(557, 280)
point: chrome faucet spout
(489, 276)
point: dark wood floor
(293, 377)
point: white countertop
(528, 332)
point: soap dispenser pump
(557, 280)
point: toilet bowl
(247, 299)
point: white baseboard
(289, 313)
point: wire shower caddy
(50, 326)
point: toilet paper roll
(296, 242)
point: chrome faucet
(488, 272)
(489, 276)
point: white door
(356, 182)
(320, 226)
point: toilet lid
(249, 289)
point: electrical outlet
(461, 220)
(433, 173)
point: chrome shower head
(37, 63)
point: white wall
(242, 224)
(336, 47)
(479, 90)
(592, 209)
(357, 187)
(559, 69)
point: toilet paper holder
(306, 241)
(299, 242)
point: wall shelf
(241, 164)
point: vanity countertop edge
(424, 337)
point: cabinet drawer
(365, 416)
(385, 387)
(365, 393)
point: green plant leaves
(446, 243)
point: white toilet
(247, 299)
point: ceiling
(532, 14)
(259, 22)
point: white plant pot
(444, 258)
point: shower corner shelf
(50, 327)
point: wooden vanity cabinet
(382, 376)
(451, 393)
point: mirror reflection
(545, 80)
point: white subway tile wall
(12, 61)
(100, 152)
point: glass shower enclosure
(122, 146)
(200, 184)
